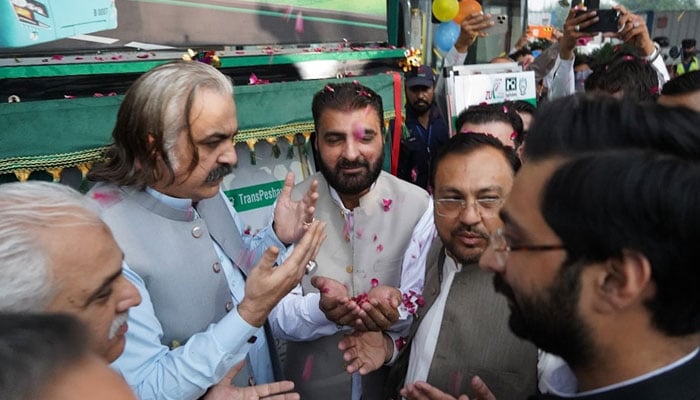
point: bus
(28, 22)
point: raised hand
(633, 30)
(365, 352)
(224, 390)
(267, 284)
(335, 301)
(292, 218)
(573, 31)
(472, 27)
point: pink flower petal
(308, 367)
(455, 383)
(400, 342)
(299, 24)
(375, 282)
(380, 248)
(387, 204)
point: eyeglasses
(484, 206)
(502, 249)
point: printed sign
(257, 196)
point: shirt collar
(174, 202)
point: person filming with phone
(586, 20)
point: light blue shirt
(154, 371)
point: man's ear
(151, 147)
(625, 280)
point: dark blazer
(474, 337)
(680, 383)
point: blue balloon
(446, 35)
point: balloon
(446, 35)
(467, 8)
(445, 10)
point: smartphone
(500, 24)
(607, 21)
(540, 31)
(588, 4)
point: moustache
(219, 172)
(117, 323)
(473, 230)
(343, 163)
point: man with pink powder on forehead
(369, 269)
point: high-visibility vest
(694, 66)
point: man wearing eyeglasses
(461, 329)
(598, 253)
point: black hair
(626, 73)
(519, 53)
(603, 205)
(569, 126)
(686, 83)
(344, 97)
(521, 106)
(497, 112)
(582, 59)
(465, 143)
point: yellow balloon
(445, 10)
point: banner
(50, 26)
(487, 83)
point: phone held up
(500, 24)
(607, 21)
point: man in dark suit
(597, 255)
(460, 329)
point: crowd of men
(540, 254)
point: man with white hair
(56, 255)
